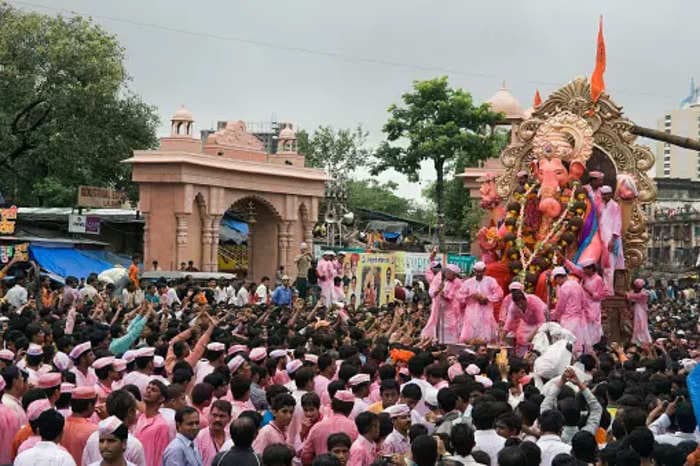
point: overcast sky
(326, 62)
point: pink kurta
(326, 271)
(595, 291)
(204, 442)
(269, 435)
(451, 308)
(479, 322)
(9, 425)
(82, 380)
(572, 313)
(363, 452)
(154, 434)
(523, 324)
(315, 443)
(640, 332)
(321, 388)
(609, 227)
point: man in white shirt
(685, 419)
(89, 291)
(551, 425)
(17, 295)
(242, 297)
(486, 439)
(47, 451)
(261, 291)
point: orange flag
(538, 99)
(597, 83)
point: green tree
(434, 124)
(339, 152)
(373, 195)
(461, 214)
(67, 116)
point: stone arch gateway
(188, 184)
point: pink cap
(515, 286)
(109, 425)
(586, 263)
(237, 349)
(404, 371)
(119, 365)
(35, 350)
(37, 407)
(397, 410)
(216, 346)
(454, 370)
(344, 395)
(258, 354)
(479, 266)
(278, 353)
(84, 393)
(453, 268)
(62, 361)
(7, 355)
(67, 387)
(103, 362)
(147, 352)
(522, 173)
(596, 174)
(435, 264)
(158, 361)
(49, 380)
(235, 363)
(129, 356)
(606, 189)
(639, 282)
(311, 358)
(473, 369)
(78, 350)
(293, 366)
(359, 379)
(485, 381)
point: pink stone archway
(183, 194)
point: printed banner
(375, 279)
(465, 263)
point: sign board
(89, 224)
(8, 218)
(20, 251)
(101, 198)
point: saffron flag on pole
(538, 99)
(597, 82)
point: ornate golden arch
(611, 134)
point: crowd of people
(180, 373)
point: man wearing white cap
(593, 187)
(445, 306)
(326, 271)
(397, 442)
(523, 314)
(479, 294)
(595, 291)
(610, 230)
(144, 369)
(83, 357)
(638, 298)
(571, 308)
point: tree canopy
(338, 151)
(435, 123)
(67, 116)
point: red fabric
(597, 82)
(538, 99)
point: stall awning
(65, 261)
(235, 224)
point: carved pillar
(181, 221)
(215, 226)
(284, 238)
(206, 244)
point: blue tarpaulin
(66, 261)
(235, 224)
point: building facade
(674, 161)
(674, 226)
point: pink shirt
(82, 380)
(204, 442)
(315, 443)
(321, 388)
(396, 444)
(154, 434)
(267, 436)
(9, 426)
(75, 435)
(363, 452)
(29, 443)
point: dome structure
(504, 102)
(287, 132)
(182, 114)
